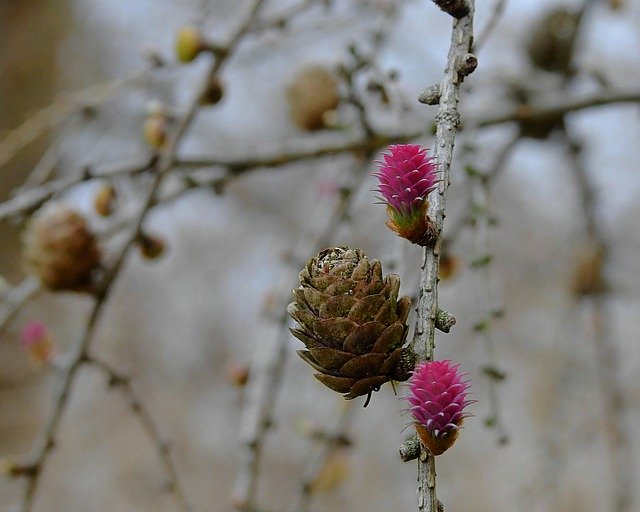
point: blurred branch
(486, 310)
(607, 351)
(162, 166)
(492, 22)
(140, 410)
(14, 299)
(31, 199)
(332, 443)
(496, 169)
(269, 364)
(447, 122)
(46, 442)
(283, 18)
(58, 111)
(239, 166)
(551, 107)
(268, 368)
(47, 163)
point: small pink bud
(37, 340)
(438, 396)
(406, 175)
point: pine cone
(60, 249)
(551, 42)
(351, 322)
(311, 96)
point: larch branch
(447, 122)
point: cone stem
(423, 342)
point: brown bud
(311, 95)
(551, 42)
(587, 278)
(456, 8)
(151, 246)
(60, 249)
(214, 92)
(237, 373)
(156, 130)
(538, 127)
(10, 468)
(189, 43)
(104, 200)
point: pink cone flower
(37, 340)
(438, 397)
(406, 175)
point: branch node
(465, 65)
(431, 95)
(444, 320)
(456, 8)
(220, 51)
(13, 469)
(410, 449)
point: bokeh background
(212, 301)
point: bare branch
(481, 225)
(457, 8)
(267, 374)
(162, 166)
(263, 388)
(57, 112)
(607, 351)
(138, 408)
(550, 107)
(494, 18)
(16, 298)
(496, 169)
(423, 342)
(31, 199)
(332, 444)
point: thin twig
(138, 407)
(267, 374)
(281, 19)
(236, 167)
(58, 111)
(485, 33)
(46, 442)
(31, 199)
(485, 306)
(423, 342)
(16, 298)
(332, 443)
(269, 365)
(499, 164)
(607, 351)
(550, 107)
(46, 166)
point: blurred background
(541, 268)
